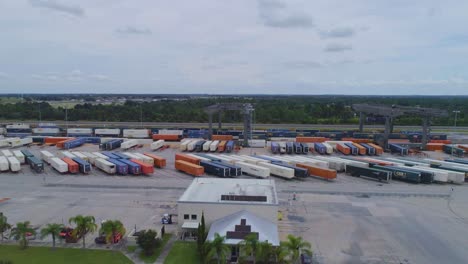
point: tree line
(268, 109)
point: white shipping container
(100, 156)
(19, 155)
(2, 131)
(214, 146)
(328, 147)
(59, 165)
(191, 145)
(4, 165)
(19, 142)
(333, 163)
(279, 171)
(46, 156)
(355, 163)
(129, 143)
(257, 143)
(145, 159)
(80, 155)
(206, 145)
(107, 132)
(219, 157)
(46, 130)
(14, 164)
(91, 157)
(132, 156)
(198, 157)
(79, 131)
(66, 154)
(253, 170)
(7, 153)
(318, 162)
(170, 132)
(282, 146)
(6, 142)
(439, 175)
(105, 166)
(157, 144)
(183, 145)
(136, 133)
(250, 159)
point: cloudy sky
(242, 46)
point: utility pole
(455, 123)
(66, 119)
(141, 115)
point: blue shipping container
(73, 143)
(133, 168)
(84, 166)
(110, 155)
(121, 167)
(229, 146)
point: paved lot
(394, 223)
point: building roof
(247, 191)
(267, 230)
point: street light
(455, 125)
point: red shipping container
(54, 140)
(357, 140)
(189, 168)
(443, 141)
(145, 167)
(463, 147)
(378, 149)
(187, 158)
(435, 146)
(343, 149)
(73, 167)
(362, 150)
(62, 143)
(311, 139)
(159, 162)
(319, 172)
(221, 137)
(166, 137)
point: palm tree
(295, 246)
(84, 225)
(218, 249)
(265, 252)
(280, 253)
(20, 232)
(52, 230)
(4, 225)
(250, 246)
(111, 229)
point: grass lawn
(157, 252)
(183, 252)
(45, 255)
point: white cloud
(340, 32)
(337, 47)
(58, 6)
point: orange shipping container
(54, 140)
(166, 137)
(145, 167)
(444, 141)
(362, 150)
(73, 167)
(378, 149)
(311, 139)
(189, 168)
(187, 158)
(221, 146)
(357, 140)
(435, 146)
(159, 162)
(319, 172)
(463, 147)
(343, 149)
(378, 162)
(221, 137)
(62, 143)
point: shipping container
(166, 137)
(215, 169)
(35, 164)
(378, 149)
(361, 150)
(319, 172)
(257, 143)
(452, 168)
(254, 170)
(111, 144)
(229, 146)
(91, 157)
(332, 163)
(277, 170)
(157, 144)
(400, 173)
(72, 165)
(46, 131)
(342, 148)
(100, 156)
(289, 147)
(192, 144)
(250, 159)
(80, 155)
(145, 168)
(214, 146)
(329, 148)
(376, 174)
(19, 155)
(110, 155)
(27, 153)
(159, 162)
(199, 145)
(61, 144)
(297, 147)
(189, 168)
(136, 133)
(67, 154)
(222, 137)
(268, 158)
(222, 146)
(105, 165)
(353, 149)
(320, 148)
(206, 145)
(19, 142)
(187, 158)
(311, 139)
(305, 148)
(59, 165)
(80, 132)
(145, 159)
(6, 142)
(199, 157)
(453, 150)
(234, 171)
(184, 144)
(298, 171)
(121, 168)
(120, 155)
(282, 146)
(55, 140)
(83, 165)
(7, 153)
(131, 155)
(14, 164)
(439, 175)
(369, 149)
(133, 168)
(275, 148)
(4, 164)
(227, 158)
(107, 132)
(129, 143)
(394, 148)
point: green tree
(53, 230)
(201, 238)
(218, 249)
(84, 225)
(265, 253)
(147, 241)
(4, 225)
(250, 247)
(111, 228)
(20, 233)
(295, 246)
(280, 253)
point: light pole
(141, 115)
(455, 124)
(66, 119)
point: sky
(379, 47)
